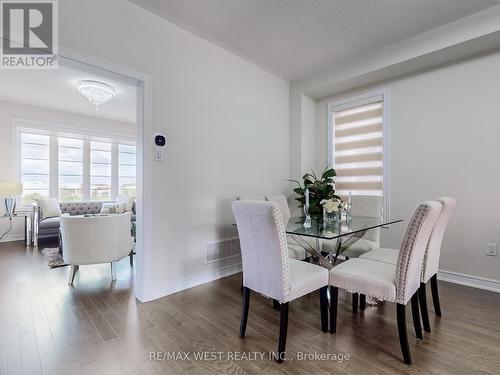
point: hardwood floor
(97, 327)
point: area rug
(54, 259)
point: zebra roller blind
(358, 148)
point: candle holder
(307, 221)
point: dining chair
(430, 264)
(295, 251)
(267, 268)
(365, 206)
(397, 283)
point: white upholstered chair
(267, 268)
(295, 251)
(397, 283)
(430, 264)
(365, 206)
(94, 240)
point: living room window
(70, 158)
(74, 167)
(100, 171)
(127, 170)
(34, 166)
(358, 145)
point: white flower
(330, 205)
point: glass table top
(333, 230)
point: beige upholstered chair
(267, 268)
(430, 264)
(95, 239)
(396, 283)
(295, 251)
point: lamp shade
(8, 189)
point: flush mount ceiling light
(96, 92)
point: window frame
(56, 131)
(349, 101)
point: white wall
(444, 141)
(226, 121)
(9, 111)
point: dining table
(345, 232)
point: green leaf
(329, 173)
(299, 191)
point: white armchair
(95, 239)
(396, 283)
(430, 264)
(267, 268)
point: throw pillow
(112, 208)
(50, 207)
(127, 201)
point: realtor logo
(29, 34)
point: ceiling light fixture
(96, 92)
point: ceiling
(58, 89)
(295, 39)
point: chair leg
(415, 313)
(283, 331)
(131, 255)
(334, 299)
(355, 303)
(422, 298)
(244, 311)
(241, 287)
(403, 337)
(72, 273)
(113, 271)
(362, 301)
(435, 295)
(276, 305)
(323, 301)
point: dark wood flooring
(97, 327)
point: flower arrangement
(320, 189)
(332, 205)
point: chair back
(368, 206)
(250, 198)
(283, 205)
(411, 254)
(264, 249)
(96, 239)
(432, 253)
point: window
(70, 155)
(34, 166)
(357, 145)
(100, 171)
(73, 167)
(126, 170)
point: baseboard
(12, 237)
(469, 280)
(190, 282)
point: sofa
(48, 228)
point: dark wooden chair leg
(415, 313)
(276, 305)
(362, 301)
(131, 255)
(355, 303)
(422, 298)
(323, 301)
(435, 295)
(403, 337)
(283, 331)
(244, 311)
(334, 297)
